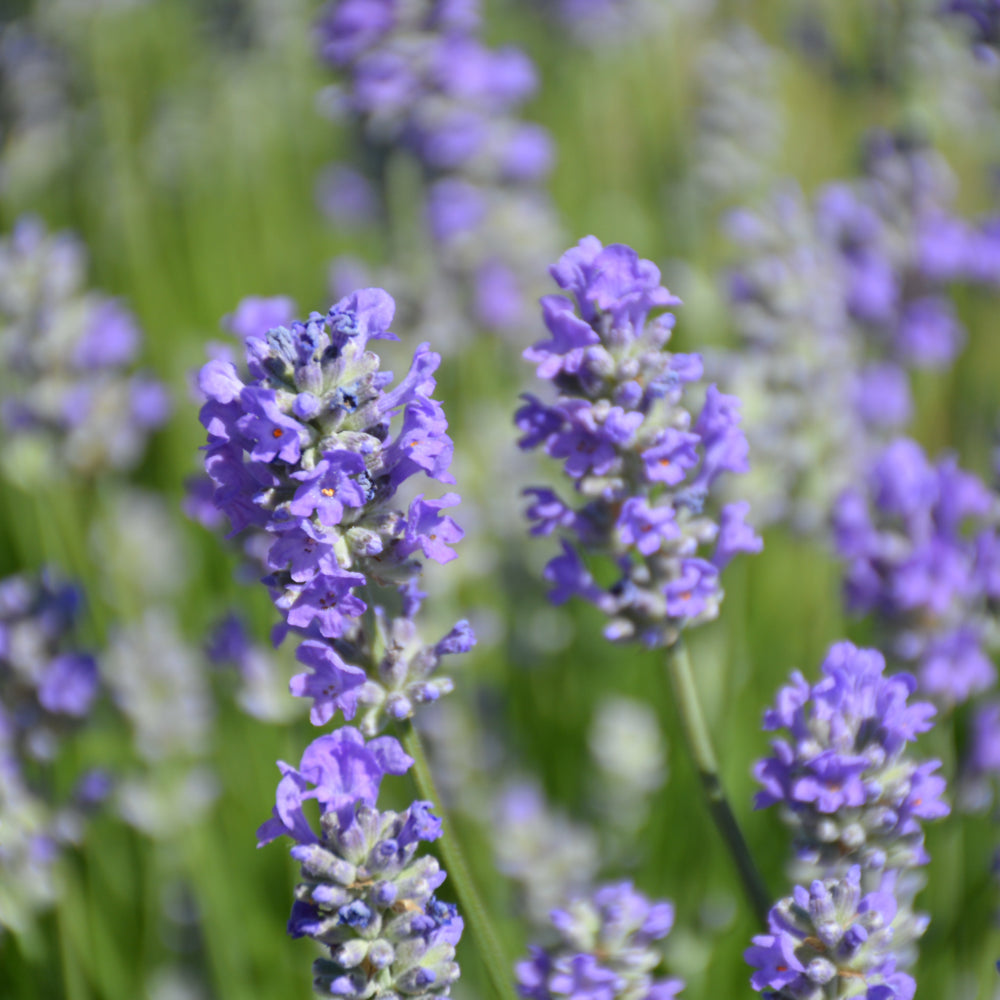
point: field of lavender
(348, 424)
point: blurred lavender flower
(603, 950)
(921, 547)
(844, 780)
(740, 124)
(642, 465)
(302, 451)
(46, 684)
(549, 857)
(830, 940)
(834, 304)
(981, 18)
(47, 688)
(364, 894)
(421, 80)
(72, 401)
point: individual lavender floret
(46, 684)
(364, 894)
(843, 778)
(921, 548)
(831, 941)
(305, 451)
(642, 466)
(603, 950)
(73, 400)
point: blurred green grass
(192, 187)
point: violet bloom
(641, 464)
(605, 949)
(921, 553)
(308, 448)
(72, 395)
(418, 77)
(364, 893)
(830, 934)
(843, 778)
(836, 303)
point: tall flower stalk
(311, 450)
(643, 469)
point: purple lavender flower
(836, 303)
(301, 449)
(642, 466)
(68, 352)
(843, 779)
(419, 78)
(834, 937)
(603, 949)
(920, 548)
(364, 894)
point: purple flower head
(918, 544)
(843, 776)
(340, 771)
(642, 465)
(70, 352)
(604, 950)
(308, 447)
(830, 933)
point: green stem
(473, 909)
(699, 745)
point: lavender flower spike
(604, 950)
(364, 894)
(843, 778)
(831, 941)
(310, 446)
(642, 465)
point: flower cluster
(364, 894)
(641, 464)
(46, 689)
(843, 778)
(831, 941)
(835, 303)
(604, 950)
(303, 451)
(920, 545)
(422, 80)
(46, 684)
(71, 401)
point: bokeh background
(183, 142)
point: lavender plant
(47, 688)
(71, 401)
(831, 941)
(880, 254)
(643, 468)
(604, 946)
(304, 452)
(641, 464)
(420, 80)
(920, 547)
(364, 894)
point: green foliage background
(184, 227)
